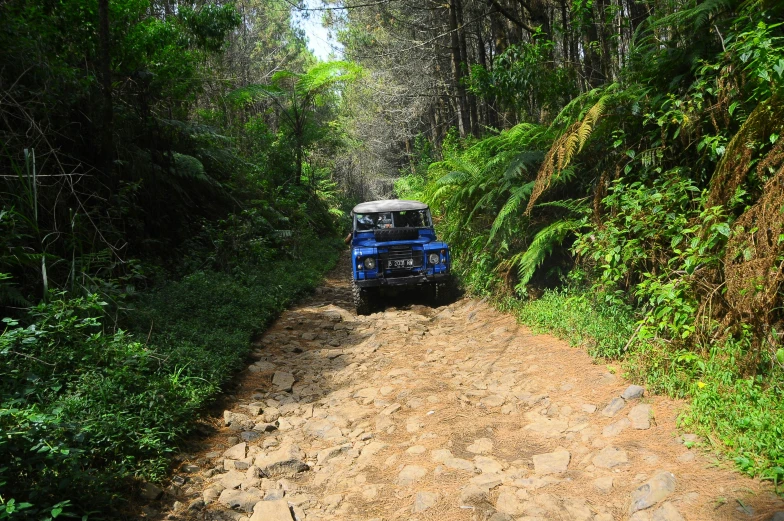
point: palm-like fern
(564, 150)
(541, 246)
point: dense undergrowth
(87, 404)
(166, 188)
(643, 219)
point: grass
(85, 407)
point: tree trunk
(470, 99)
(593, 65)
(107, 130)
(463, 121)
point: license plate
(400, 263)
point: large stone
(615, 428)
(551, 428)
(283, 381)
(239, 499)
(410, 475)
(667, 512)
(640, 416)
(487, 481)
(232, 479)
(632, 392)
(151, 492)
(473, 494)
(778, 516)
(612, 408)
(440, 455)
(488, 465)
(230, 417)
(610, 457)
(459, 464)
(322, 428)
(481, 446)
(331, 452)
(237, 452)
(271, 511)
(211, 494)
(653, 491)
(424, 501)
(284, 462)
(552, 462)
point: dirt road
(454, 413)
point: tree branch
(509, 16)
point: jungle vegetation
(166, 190)
(174, 172)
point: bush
(84, 407)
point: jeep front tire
(363, 299)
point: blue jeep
(393, 244)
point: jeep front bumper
(403, 281)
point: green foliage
(576, 316)
(631, 219)
(524, 78)
(148, 229)
(83, 407)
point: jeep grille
(400, 253)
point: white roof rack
(388, 205)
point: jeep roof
(388, 205)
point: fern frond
(324, 75)
(577, 206)
(542, 245)
(455, 177)
(565, 148)
(512, 205)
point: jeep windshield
(385, 220)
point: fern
(541, 246)
(517, 197)
(564, 150)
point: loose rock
(653, 491)
(151, 492)
(239, 499)
(271, 511)
(614, 407)
(285, 462)
(424, 501)
(283, 381)
(610, 457)
(410, 475)
(632, 392)
(640, 416)
(552, 462)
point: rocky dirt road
(453, 413)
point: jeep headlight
(434, 258)
(370, 263)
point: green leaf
(780, 356)
(732, 107)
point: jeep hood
(372, 243)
